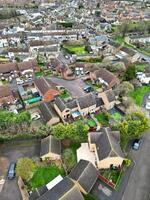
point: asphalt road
(13, 151)
(75, 87)
(138, 187)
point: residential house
(46, 89)
(49, 114)
(6, 95)
(84, 175)
(61, 108)
(107, 149)
(50, 148)
(81, 106)
(104, 77)
(64, 190)
(7, 68)
(109, 98)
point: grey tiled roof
(107, 143)
(85, 174)
(47, 111)
(86, 101)
(38, 192)
(64, 190)
(110, 95)
(50, 144)
(60, 104)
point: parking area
(75, 87)
(10, 152)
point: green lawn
(65, 94)
(39, 74)
(75, 49)
(139, 93)
(116, 116)
(44, 175)
(91, 122)
(103, 118)
(140, 67)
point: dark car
(88, 89)
(11, 171)
(136, 144)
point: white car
(19, 81)
(35, 116)
(147, 106)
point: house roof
(85, 174)
(106, 75)
(99, 102)
(44, 86)
(107, 144)
(5, 91)
(86, 101)
(47, 111)
(110, 95)
(38, 192)
(27, 65)
(60, 104)
(72, 104)
(64, 190)
(8, 67)
(50, 144)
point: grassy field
(44, 175)
(75, 49)
(139, 93)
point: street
(138, 187)
(75, 87)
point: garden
(77, 49)
(103, 118)
(64, 94)
(139, 93)
(37, 174)
(114, 175)
(43, 175)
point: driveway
(138, 186)
(75, 87)
(11, 152)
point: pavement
(138, 187)
(12, 151)
(75, 87)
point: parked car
(35, 116)
(11, 171)
(136, 144)
(147, 105)
(88, 89)
(19, 81)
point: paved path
(138, 187)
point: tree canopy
(14, 123)
(132, 127)
(25, 168)
(76, 131)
